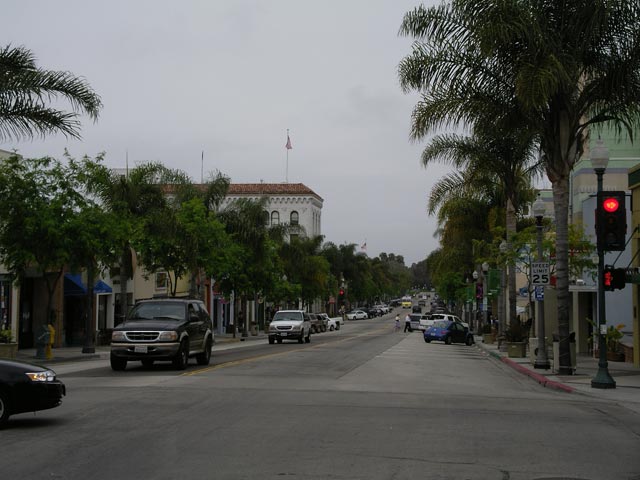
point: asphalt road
(359, 403)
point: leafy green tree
(26, 91)
(304, 266)
(40, 200)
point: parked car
(290, 325)
(415, 321)
(426, 320)
(357, 315)
(383, 308)
(25, 387)
(171, 329)
(416, 309)
(331, 323)
(448, 317)
(448, 332)
(372, 311)
(318, 323)
(334, 324)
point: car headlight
(272, 328)
(46, 376)
(118, 337)
(168, 336)
(296, 327)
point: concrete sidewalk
(626, 376)
(74, 354)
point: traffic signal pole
(602, 379)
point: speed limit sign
(540, 273)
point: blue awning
(101, 287)
(74, 287)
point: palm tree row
(543, 72)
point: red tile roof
(270, 189)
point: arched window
(275, 218)
(265, 217)
(294, 218)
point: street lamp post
(503, 289)
(542, 361)
(485, 302)
(475, 314)
(599, 161)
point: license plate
(283, 334)
(140, 349)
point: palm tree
(130, 197)
(498, 166)
(557, 68)
(25, 91)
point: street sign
(539, 293)
(540, 273)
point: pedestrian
(407, 323)
(397, 326)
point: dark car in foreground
(171, 329)
(448, 332)
(25, 387)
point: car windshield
(441, 324)
(279, 316)
(158, 311)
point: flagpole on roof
(288, 147)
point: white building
(288, 203)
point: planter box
(615, 356)
(516, 349)
(8, 350)
(487, 338)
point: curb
(541, 379)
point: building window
(275, 218)
(265, 217)
(294, 219)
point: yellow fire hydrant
(52, 335)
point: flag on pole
(363, 247)
(288, 145)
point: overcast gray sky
(229, 77)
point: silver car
(290, 325)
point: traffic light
(614, 278)
(341, 292)
(611, 221)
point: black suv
(163, 329)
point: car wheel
(205, 357)
(307, 339)
(4, 409)
(272, 340)
(447, 340)
(331, 328)
(181, 360)
(428, 340)
(147, 362)
(469, 341)
(118, 364)
(279, 340)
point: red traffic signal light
(611, 221)
(341, 292)
(610, 204)
(614, 278)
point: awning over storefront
(101, 287)
(74, 287)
